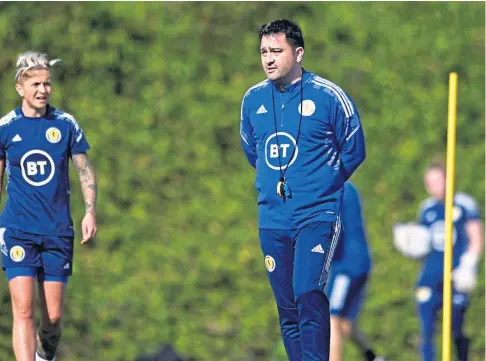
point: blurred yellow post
(449, 200)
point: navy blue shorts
(346, 294)
(44, 257)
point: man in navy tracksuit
(303, 135)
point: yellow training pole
(451, 148)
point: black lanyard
(282, 173)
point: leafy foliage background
(157, 88)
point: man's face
(278, 56)
(435, 183)
(35, 89)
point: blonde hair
(33, 60)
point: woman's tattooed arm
(87, 178)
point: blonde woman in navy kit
(36, 229)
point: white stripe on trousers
(332, 247)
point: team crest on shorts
(270, 263)
(53, 135)
(423, 294)
(17, 253)
(458, 299)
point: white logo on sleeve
(17, 138)
(37, 167)
(283, 149)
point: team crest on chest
(430, 216)
(307, 108)
(53, 135)
(456, 213)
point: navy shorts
(43, 257)
(346, 294)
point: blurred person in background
(303, 135)
(346, 287)
(467, 240)
(36, 234)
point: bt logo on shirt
(37, 167)
(284, 148)
(438, 234)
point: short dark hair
(292, 31)
(437, 163)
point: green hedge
(157, 88)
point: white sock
(38, 358)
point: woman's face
(35, 88)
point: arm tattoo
(2, 171)
(87, 178)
